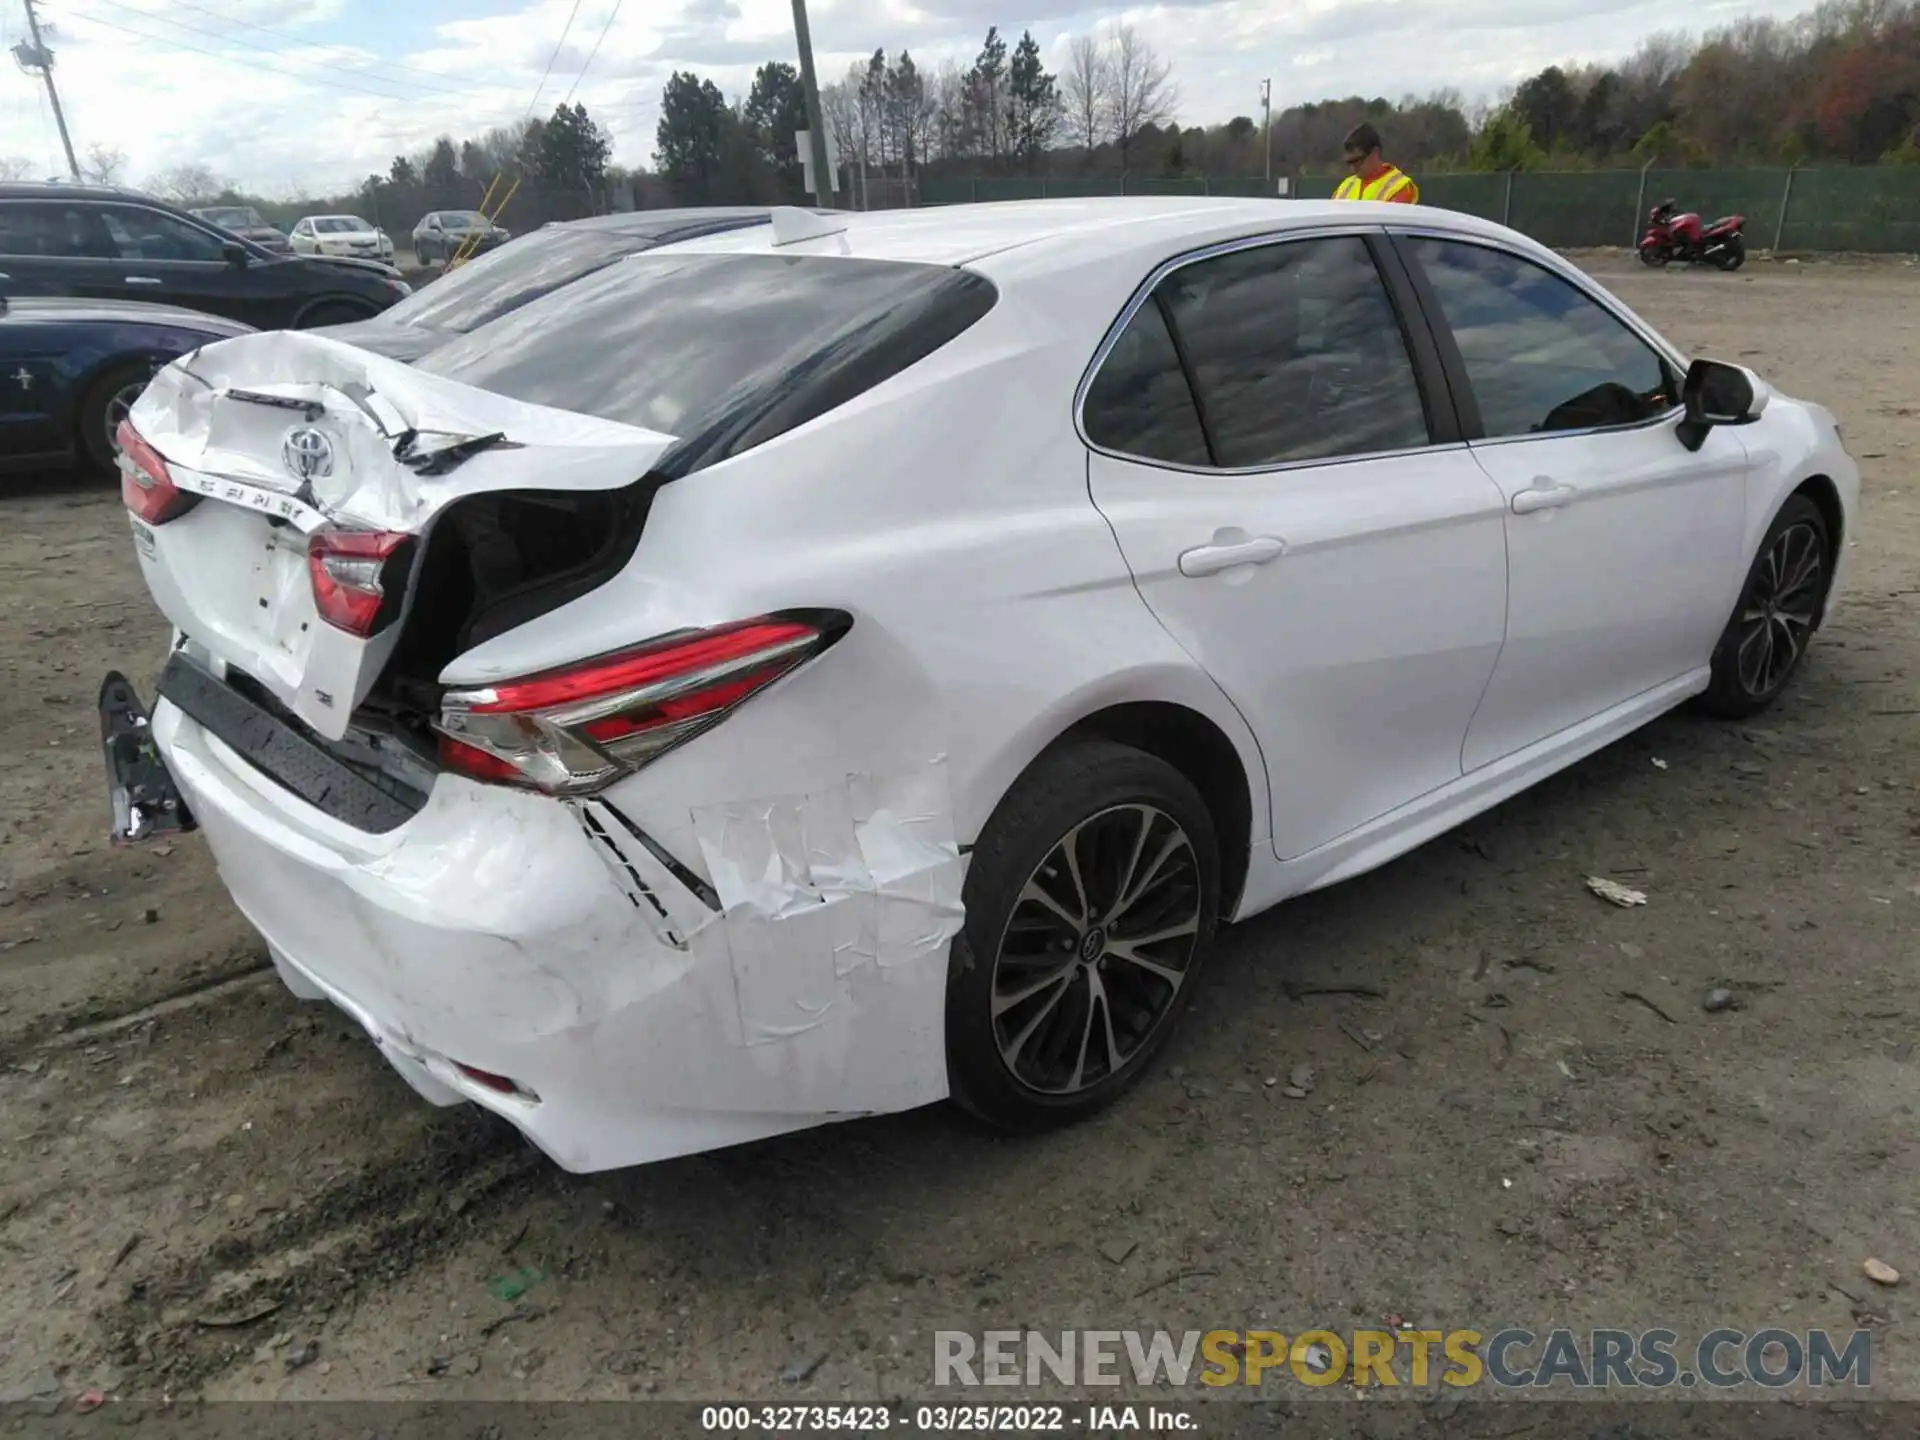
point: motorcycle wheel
(1655, 255)
(1732, 255)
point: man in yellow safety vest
(1372, 177)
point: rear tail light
(349, 570)
(146, 485)
(577, 729)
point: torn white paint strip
(818, 889)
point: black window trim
(1451, 361)
(1444, 426)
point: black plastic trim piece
(701, 890)
(282, 753)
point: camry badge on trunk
(308, 454)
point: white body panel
(1620, 581)
(1005, 585)
(1358, 651)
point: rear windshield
(507, 278)
(722, 351)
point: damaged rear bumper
(545, 960)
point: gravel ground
(1535, 1122)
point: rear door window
(722, 351)
(1296, 353)
(1140, 403)
(51, 231)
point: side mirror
(236, 254)
(1719, 394)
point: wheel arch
(1825, 495)
(1183, 720)
(364, 311)
(1199, 749)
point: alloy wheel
(1096, 949)
(1777, 615)
(119, 405)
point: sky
(292, 97)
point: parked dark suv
(106, 243)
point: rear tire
(1780, 606)
(104, 406)
(1050, 1019)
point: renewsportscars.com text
(1508, 1359)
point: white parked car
(820, 668)
(340, 235)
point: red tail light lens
(574, 730)
(349, 569)
(146, 485)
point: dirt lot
(1502, 1139)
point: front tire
(1732, 255)
(1779, 608)
(1654, 255)
(1090, 901)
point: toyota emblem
(308, 454)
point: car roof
(1037, 237)
(60, 190)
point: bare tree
(1140, 88)
(947, 132)
(1085, 86)
(105, 164)
(189, 185)
(15, 167)
(846, 121)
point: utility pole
(1266, 125)
(37, 57)
(823, 178)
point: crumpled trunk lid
(284, 434)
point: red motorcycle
(1683, 237)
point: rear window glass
(722, 351)
(486, 288)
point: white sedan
(340, 235)
(821, 668)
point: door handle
(1543, 494)
(142, 280)
(1230, 548)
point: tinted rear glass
(505, 279)
(722, 351)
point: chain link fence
(1866, 208)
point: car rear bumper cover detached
(551, 945)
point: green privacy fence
(1867, 208)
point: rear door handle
(1226, 553)
(142, 280)
(1543, 494)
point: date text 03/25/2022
(960, 1419)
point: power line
(317, 80)
(268, 50)
(278, 34)
(559, 45)
(612, 15)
